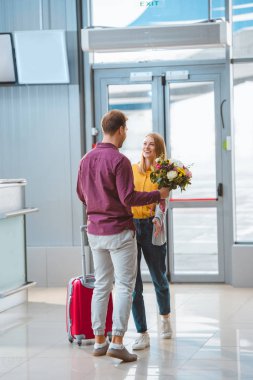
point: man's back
(102, 172)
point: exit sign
(149, 3)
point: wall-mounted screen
(7, 68)
(41, 57)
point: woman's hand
(158, 226)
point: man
(105, 186)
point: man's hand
(158, 226)
(164, 191)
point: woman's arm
(159, 213)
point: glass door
(187, 113)
(194, 218)
(135, 100)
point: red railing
(192, 199)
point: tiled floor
(213, 339)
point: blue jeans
(155, 258)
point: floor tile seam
(225, 346)
(239, 307)
(246, 323)
(13, 327)
(207, 371)
(211, 361)
(211, 337)
(34, 355)
(3, 375)
(6, 333)
(198, 349)
(220, 360)
(28, 357)
(183, 363)
(14, 368)
(228, 348)
(45, 349)
(183, 303)
(222, 365)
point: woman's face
(148, 149)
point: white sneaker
(141, 342)
(166, 330)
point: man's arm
(79, 186)
(125, 186)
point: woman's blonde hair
(160, 150)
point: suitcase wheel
(71, 340)
(79, 342)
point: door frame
(119, 74)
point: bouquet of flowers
(170, 173)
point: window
(242, 28)
(243, 126)
(127, 13)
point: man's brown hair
(112, 121)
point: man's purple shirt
(105, 185)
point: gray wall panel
(58, 14)
(40, 130)
(74, 140)
(21, 14)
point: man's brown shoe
(100, 351)
(121, 354)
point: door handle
(220, 190)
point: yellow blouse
(142, 183)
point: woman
(151, 244)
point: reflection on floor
(213, 339)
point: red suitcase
(78, 309)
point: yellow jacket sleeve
(142, 182)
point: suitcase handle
(84, 250)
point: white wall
(242, 265)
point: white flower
(176, 162)
(171, 175)
(157, 159)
